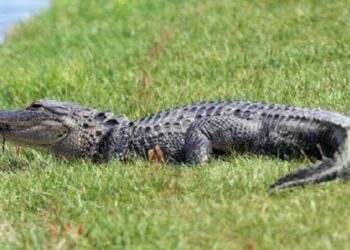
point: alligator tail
(330, 169)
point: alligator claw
(155, 155)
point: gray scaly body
(190, 134)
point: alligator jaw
(11, 119)
(31, 128)
(3, 129)
(19, 117)
(8, 118)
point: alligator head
(64, 129)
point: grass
(138, 57)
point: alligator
(189, 135)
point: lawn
(138, 57)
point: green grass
(138, 57)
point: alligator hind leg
(197, 148)
(219, 133)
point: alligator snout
(3, 128)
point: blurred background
(12, 11)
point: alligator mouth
(31, 128)
(17, 118)
(3, 129)
(10, 119)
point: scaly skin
(190, 134)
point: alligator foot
(156, 155)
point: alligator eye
(35, 106)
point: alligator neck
(115, 145)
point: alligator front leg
(219, 133)
(155, 155)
